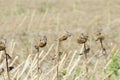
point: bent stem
(86, 67)
(58, 59)
(38, 63)
(7, 65)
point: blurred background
(22, 22)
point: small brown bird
(64, 36)
(82, 39)
(43, 42)
(99, 37)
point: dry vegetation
(59, 56)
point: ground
(23, 22)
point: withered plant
(82, 39)
(3, 48)
(60, 39)
(100, 38)
(42, 43)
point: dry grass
(71, 67)
(23, 22)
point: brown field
(23, 22)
